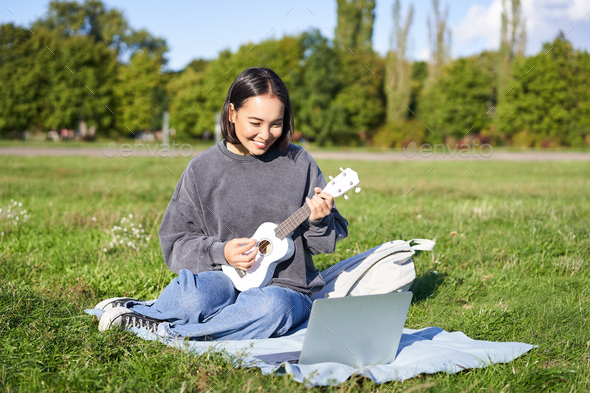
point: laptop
(353, 330)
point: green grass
(495, 274)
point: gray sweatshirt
(222, 195)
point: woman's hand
(234, 252)
(320, 205)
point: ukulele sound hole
(264, 247)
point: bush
(400, 134)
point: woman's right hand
(234, 252)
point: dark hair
(255, 81)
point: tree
(49, 81)
(398, 84)
(512, 44)
(82, 75)
(358, 108)
(139, 90)
(549, 104)
(355, 24)
(23, 82)
(439, 35)
(189, 113)
(419, 76)
(318, 85)
(66, 71)
(458, 102)
(107, 26)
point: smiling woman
(252, 179)
(254, 133)
(257, 112)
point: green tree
(439, 36)
(355, 24)
(312, 95)
(104, 25)
(358, 108)
(459, 101)
(549, 103)
(23, 83)
(419, 76)
(398, 83)
(189, 113)
(82, 74)
(512, 45)
(69, 80)
(139, 93)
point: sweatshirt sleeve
(321, 236)
(183, 238)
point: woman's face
(258, 124)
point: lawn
(510, 264)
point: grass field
(510, 264)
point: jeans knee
(277, 303)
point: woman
(254, 175)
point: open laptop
(354, 330)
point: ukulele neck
(291, 223)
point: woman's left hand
(320, 205)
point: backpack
(382, 269)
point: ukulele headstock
(345, 181)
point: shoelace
(139, 322)
(120, 303)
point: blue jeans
(207, 306)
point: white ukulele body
(274, 241)
(272, 250)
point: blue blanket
(423, 351)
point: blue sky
(201, 29)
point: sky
(201, 29)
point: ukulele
(274, 242)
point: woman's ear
(232, 113)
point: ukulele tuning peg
(346, 197)
(341, 170)
(331, 177)
(357, 190)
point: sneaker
(127, 318)
(114, 302)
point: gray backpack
(382, 269)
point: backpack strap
(422, 244)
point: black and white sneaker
(127, 318)
(114, 302)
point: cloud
(480, 24)
(544, 18)
(424, 54)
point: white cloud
(544, 18)
(480, 24)
(424, 54)
(573, 10)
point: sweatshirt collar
(267, 156)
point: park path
(334, 155)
